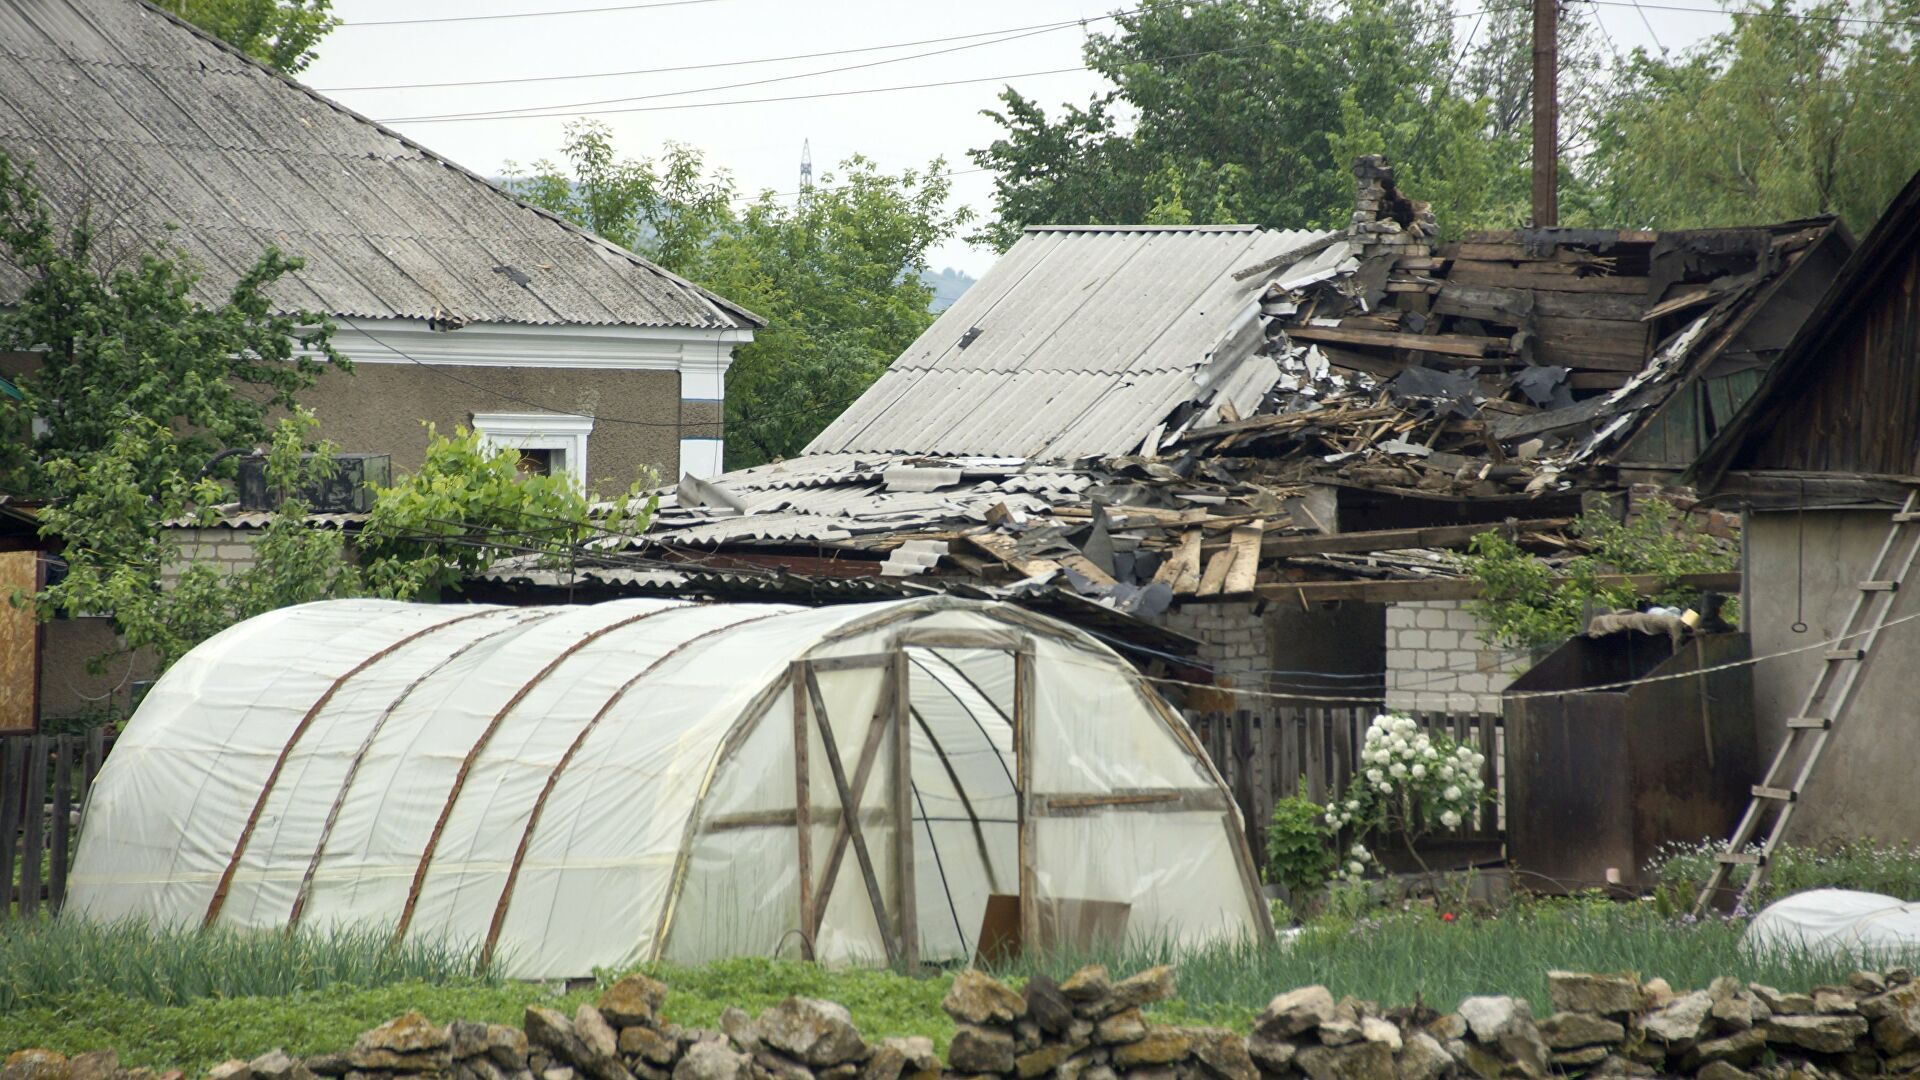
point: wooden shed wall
(1861, 412)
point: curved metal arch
(480, 744)
(505, 902)
(305, 891)
(300, 729)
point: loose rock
(980, 1050)
(1830, 1034)
(978, 998)
(1161, 1046)
(1569, 1030)
(818, 1033)
(713, 1061)
(635, 999)
(1296, 1011)
(1606, 995)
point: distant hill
(947, 286)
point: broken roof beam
(1445, 344)
(1434, 536)
(1411, 589)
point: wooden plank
(1513, 306)
(1086, 568)
(13, 779)
(1002, 548)
(1244, 570)
(1216, 576)
(1397, 539)
(1445, 344)
(906, 899)
(19, 642)
(1545, 277)
(850, 813)
(32, 836)
(1460, 588)
(1141, 800)
(845, 663)
(1023, 769)
(1181, 570)
(803, 803)
(64, 749)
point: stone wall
(1091, 1027)
(1439, 659)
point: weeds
(44, 958)
(1863, 865)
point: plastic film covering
(594, 786)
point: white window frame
(562, 433)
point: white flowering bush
(1409, 783)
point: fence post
(64, 747)
(34, 842)
(13, 762)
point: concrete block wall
(1439, 659)
(1233, 641)
(229, 550)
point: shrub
(1299, 844)
(1410, 782)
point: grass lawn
(190, 1001)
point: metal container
(1599, 779)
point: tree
(281, 34)
(836, 271)
(123, 345)
(467, 507)
(1251, 111)
(1792, 112)
(109, 515)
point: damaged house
(1243, 455)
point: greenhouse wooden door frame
(898, 921)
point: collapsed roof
(1113, 409)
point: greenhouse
(578, 787)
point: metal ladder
(1826, 704)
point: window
(550, 444)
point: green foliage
(1409, 783)
(469, 505)
(1252, 111)
(667, 209)
(118, 552)
(837, 272)
(281, 34)
(42, 958)
(1862, 864)
(1530, 603)
(1806, 110)
(125, 346)
(1299, 844)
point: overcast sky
(759, 143)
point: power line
(570, 106)
(1910, 24)
(563, 112)
(726, 63)
(524, 14)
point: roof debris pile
(1136, 415)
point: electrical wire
(520, 14)
(569, 107)
(1062, 24)
(560, 111)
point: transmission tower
(806, 165)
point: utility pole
(1546, 113)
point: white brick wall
(1233, 641)
(1438, 661)
(227, 549)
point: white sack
(1837, 922)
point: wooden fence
(43, 779)
(1264, 758)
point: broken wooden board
(1215, 578)
(1003, 549)
(1244, 570)
(1445, 344)
(1552, 277)
(1181, 571)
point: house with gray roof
(457, 303)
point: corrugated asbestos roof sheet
(1078, 342)
(146, 123)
